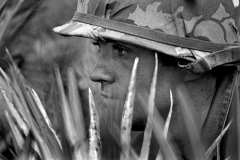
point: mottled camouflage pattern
(212, 20)
(215, 21)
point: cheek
(168, 80)
(143, 83)
(162, 100)
(145, 74)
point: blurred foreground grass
(37, 50)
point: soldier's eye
(120, 50)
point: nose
(101, 73)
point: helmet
(204, 32)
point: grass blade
(191, 127)
(19, 15)
(77, 114)
(217, 141)
(2, 4)
(24, 110)
(159, 156)
(2, 157)
(151, 103)
(26, 150)
(19, 107)
(47, 133)
(17, 92)
(3, 145)
(228, 158)
(236, 103)
(41, 142)
(15, 114)
(166, 147)
(18, 139)
(7, 15)
(76, 107)
(94, 132)
(45, 139)
(126, 124)
(46, 153)
(167, 123)
(44, 117)
(70, 130)
(115, 133)
(4, 75)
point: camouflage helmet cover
(180, 28)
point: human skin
(113, 69)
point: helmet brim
(79, 29)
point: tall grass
(30, 124)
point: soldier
(197, 43)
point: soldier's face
(113, 70)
